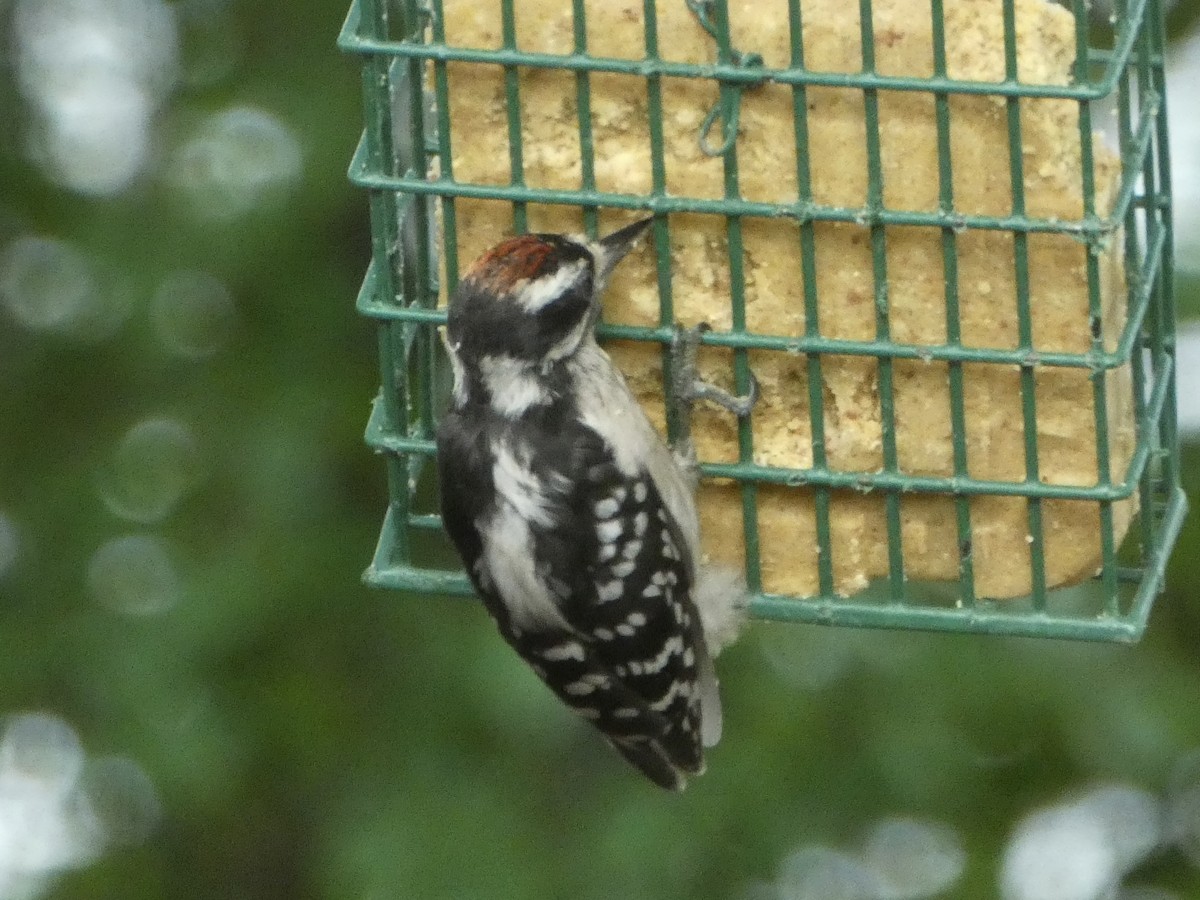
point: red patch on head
(509, 262)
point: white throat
(513, 385)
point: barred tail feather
(647, 756)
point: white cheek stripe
(535, 294)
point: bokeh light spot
(821, 873)
(153, 467)
(1183, 806)
(40, 830)
(46, 284)
(913, 859)
(1059, 853)
(236, 161)
(41, 747)
(94, 72)
(134, 575)
(96, 138)
(1132, 816)
(59, 810)
(49, 285)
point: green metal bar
(1031, 488)
(1155, 567)
(351, 30)
(395, 400)
(1101, 421)
(1153, 483)
(412, 183)
(737, 288)
(398, 399)
(417, 287)
(392, 551)
(445, 153)
(1132, 163)
(841, 612)
(372, 19)
(728, 73)
(1161, 318)
(1037, 560)
(662, 234)
(417, 465)
(1108, 550)
(804, 344)
(512, 105)
(583, 114)
(812, 315)
(1145, 487)
(1166, 317)
(1094, 232)
(1108, 559)
(859, 614)
(1140, 301)
(382, 439)
(958, 419)
(1139, 285)
(387, 264)
(887, 399)
(426, 521)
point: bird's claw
(687, 387)
(690, 387)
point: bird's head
(532, 300)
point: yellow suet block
(774, 286)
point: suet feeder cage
(937, 231)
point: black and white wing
(589, 578)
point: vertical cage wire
(405, 160)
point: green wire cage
(410, 159)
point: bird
(574, 520)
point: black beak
(617, 245)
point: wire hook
(729, 104)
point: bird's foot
(689, 387)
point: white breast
(521, 499)
(508, 555)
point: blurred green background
(195, 681)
